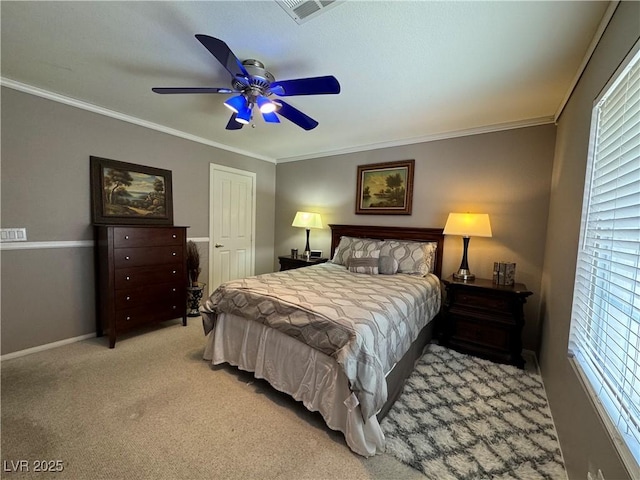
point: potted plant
(195, 288)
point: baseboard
(48, 346)
(532, 354)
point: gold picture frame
(385, 188)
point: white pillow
(348, 245)
(415, 258)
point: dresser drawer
(124, 237)
(136, 297)
(134, 317)
(135, 257)
(476, 300)
(126, 278)
(481, 334)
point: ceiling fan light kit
(237, 103)
(254, 85)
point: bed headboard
(391, 233)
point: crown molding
(533, 122)
(56, 97)
(604, 22)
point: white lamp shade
(468, 225)
(307, 220)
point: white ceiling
(409, 71)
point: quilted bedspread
(365, 322)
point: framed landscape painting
(128, 194)
(385, 188)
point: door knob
(218, 245)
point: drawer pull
(173, 289)
(126, 237)
(128, 318)
(174, 236)
(127, 278)
(173, 253)
(127, 257)
(128, 298)
(173, 272)
(174, 307)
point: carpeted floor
(153, 409)
(463, 418)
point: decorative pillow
(387, 265)
(415, 258)
(348, 245)
(364, 262)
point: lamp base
(464, 275)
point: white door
(231, 224)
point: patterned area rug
(461, 417)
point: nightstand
(484, 319)
(287, 262)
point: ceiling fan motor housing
(259, 79)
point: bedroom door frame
(215, 209)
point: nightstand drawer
(482, 301)
(482, 334)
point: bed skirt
(307, 375)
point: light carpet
(464, 418)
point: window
(604, 341)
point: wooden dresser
(141, 277)
(485, 319)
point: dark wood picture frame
(114, 202)
(393, 185)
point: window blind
(604, 341)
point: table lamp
(307, 220)
(467, 225)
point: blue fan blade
(233, 125)
(191, 90)
(225, 56)
(296, 116)
(270, 117)
(306, 86)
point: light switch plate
(13, 234)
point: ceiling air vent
(304, 10)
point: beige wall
(47, 294)
(505, 174)
(587, 446)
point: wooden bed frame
(391, 233)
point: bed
(340, 337)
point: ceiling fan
(254, 85)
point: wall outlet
(13, 234)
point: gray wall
(587, 445)
(47, 294)
(505, 174)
